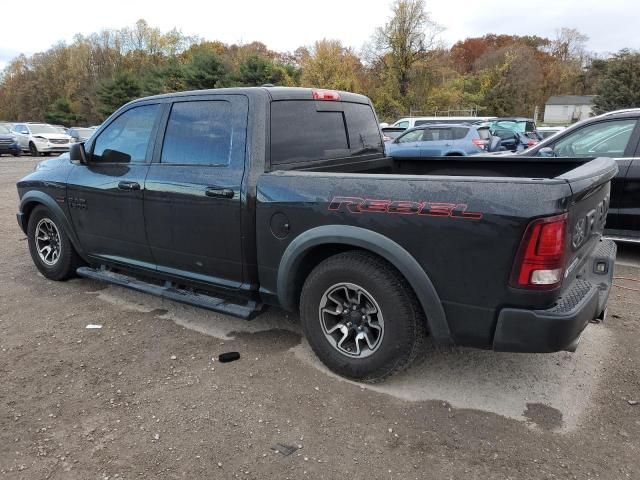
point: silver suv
(37, 138)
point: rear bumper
(560, 327)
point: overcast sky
(284, 25)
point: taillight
(480, 143)
(330, 95)
(539, 263)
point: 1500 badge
(403, 207)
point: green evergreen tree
(122, 89)
(619, 86)
(205, 70)
(61, 113)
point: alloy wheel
(351, 320)
(48, 242)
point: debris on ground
(285, 450)
(228, 357)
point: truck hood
(52, 136)
(52, 163)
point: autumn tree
(328, 64)
(406, 39)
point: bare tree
(569, 45)
(406, 39)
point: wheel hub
(47, 240)
(351, 320)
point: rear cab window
(304, 131)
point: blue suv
(440, 140)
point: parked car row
(39, 138)
(614, 135)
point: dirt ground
(142, 397)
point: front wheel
(50, 247)
(33, 150)
(360, 317)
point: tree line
(404, 68)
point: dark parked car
(615, 135)
(440, 141)
(389, 134)
(8, 142)
(234, 199)
(515, 124)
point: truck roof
(274, 93)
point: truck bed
(514, 167)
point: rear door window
(301, 133)
(198, 133)
(453, 133)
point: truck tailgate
(587, 211)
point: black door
(106, 195)
(193, 191)
(629, 211)
(615, 138)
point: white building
(566, 109)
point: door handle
(129, 186)
(218, 192)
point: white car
(410, 122)
(41, 138)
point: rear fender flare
(376, 243)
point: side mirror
(77, 153)
(546, 152)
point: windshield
(511, 125)
(43, 128)
(84, 132)
(4, 130)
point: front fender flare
(35, 197)
(376, 243)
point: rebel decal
(403, 207)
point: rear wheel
(17, 153)
(360, 317)
(33, 150)
(50, 247)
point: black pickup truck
(235, 199)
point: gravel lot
(142, 397)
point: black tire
(403, 331)
(17, 154)
(64, 266)
(33, 150)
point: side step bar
(171, 292)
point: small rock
(156, 436)
(173, 357)
(632, 402)
(219, 464)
